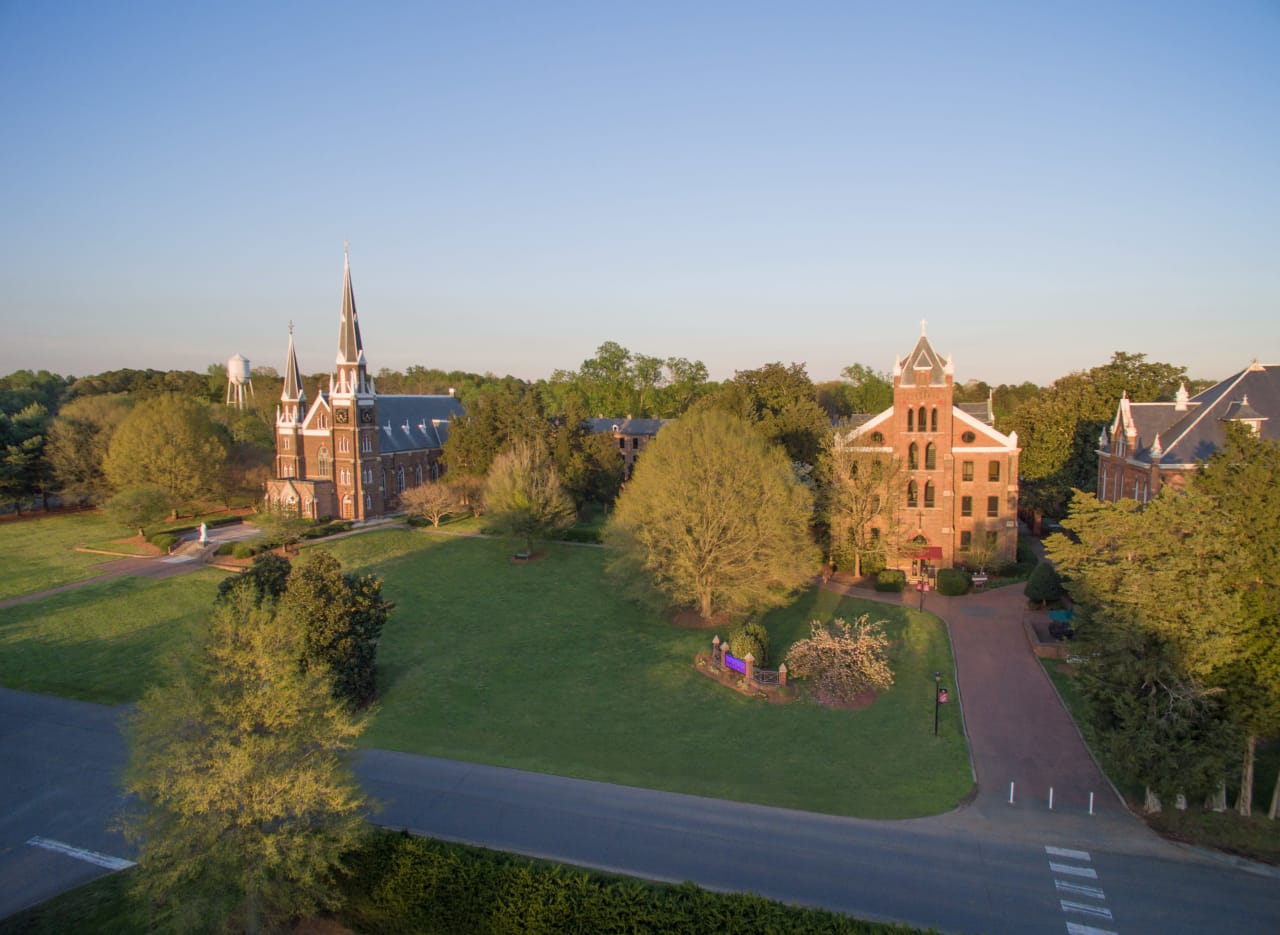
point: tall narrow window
(966, 470)
(928, 495)
(366, 444)
(400, 479)
(933, 420)
(966, 506)
(344, 444)
(286, 442)
(913, 457)
(931, 457)
(966, 540)
(993, 470)
(911, 420)
(324, 462)
(913, 494)
(920, 420)
(993, 506)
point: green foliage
(24, 472)
(523, 496)
(617, 383)
(953, 581)
(402, 883)
(164, 541)
(137, 507)
(713, 518)
(873, 563)
(782, 404)
(495, 419)
(242, 804)
(242, 550)
(891, 579)
(168, 442)
(266, 579)
(79, 439)
(1059, 428)
(750, 638)
(589, 463)
(341, 618)
(1044, 585)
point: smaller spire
(1157, 449)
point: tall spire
(293, 397)
(350, 347)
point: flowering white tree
(843, 658)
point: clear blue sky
(737, 183)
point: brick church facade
(352, 452)
(955, 500)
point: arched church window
(928, 495)
(911, 420)
(913, 457)
(913, 494)
(920, 419)
(324, 462)
(931, 457)
(933, 420)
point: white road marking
(1086, 872)
(1102, 912)
(1066, 852)
(101, 860)
(1077, 889)
(1075, 928)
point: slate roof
(1169, 436)
(980, 411)
(924, 357)
(412, 423)
(624, 426)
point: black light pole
(937, 695)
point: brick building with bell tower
(352, 452)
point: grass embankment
(1256, 837)
(39, 554)
(543, 666)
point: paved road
(957, 872)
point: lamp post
(922, 585)
(939, 699)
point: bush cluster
(164, 541)
(400, 883)
(891, 579)
(953, 581)
(750, 638)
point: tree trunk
(1152, 804)
(1275, 798)
(1217, 800)
(1244, 805)
(705, 608)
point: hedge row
(400, 883)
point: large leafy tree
(1059, 428)
(589, 463)
(862, 494)
(782, 403)
(171, 442)
(713, 518)
(617, 382)
(523, 496)
(79, 439)
(1187, 579)
(242, 802)
(496, 418)
(341, 617)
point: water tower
(238, 381)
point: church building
(352, 452)
(955, 483)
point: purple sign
(734, 663)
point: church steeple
(352, 376)
(293, 397)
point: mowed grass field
(544, 666)
(39, 554)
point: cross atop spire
(923, 322)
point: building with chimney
(349, 452)
(1150, 446)
(954, 498)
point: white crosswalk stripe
(1073, 871)
(1102, 912)
(79, 853)
(1075, 928)
(1077, 891)
(1066, 852)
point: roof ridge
(1204, 410)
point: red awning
(930, 551)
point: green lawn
(103, 642)
(38, 554)
(544, 667)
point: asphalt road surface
(1023, 870)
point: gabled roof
(924, 357)
(980, 411)
(1171, 436)
(624, 426)
(412, 423)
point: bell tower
(355, 414)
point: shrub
(582, 534)
(873, 563)
(953, 581)
(750, 638)
(164, 541)
(242, 550)
(226, 548)
(1044, 585)
(844, 659)
(891, 579)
